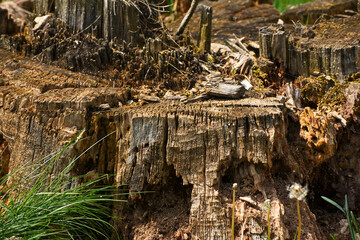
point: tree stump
(104, 19)
(273, 43)
(43, 7)
(204, 39)
(329, 47)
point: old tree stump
(105, 19)
(186, 154)
(330, 46)
(204, 39)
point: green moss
(323, 92)
(354, 77)
(259, 76)
(335, 97)
(314, 89)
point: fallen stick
(238, 41)
(187, 17)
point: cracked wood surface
(201, 144)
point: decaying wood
(227, 91)
(240, 44)
(43, 7)
(254, 44)
(148, 98)
(234, 47)
(196, 99)
(244, 60)
(273, 43)
(309, 50)
(293, 94)
(12, 17)
(118, 19)
(204, 39)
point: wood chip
(227, 91)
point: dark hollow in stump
(204, 39)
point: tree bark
(306, 51)
(107, 19)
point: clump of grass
(33, 206)
(282, 5)
(353, 224)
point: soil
(243, 18)
(164, 215)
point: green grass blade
(333, 203)
(355, 222)
(332, 237)
(352, 232)
(296, 233)
(54, 208)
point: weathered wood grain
(227, 91)
(106, 19)
(204, 39)
(329, 48)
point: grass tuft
(282, 5)
(33, 206)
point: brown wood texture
(204, 39)
(104, 19)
